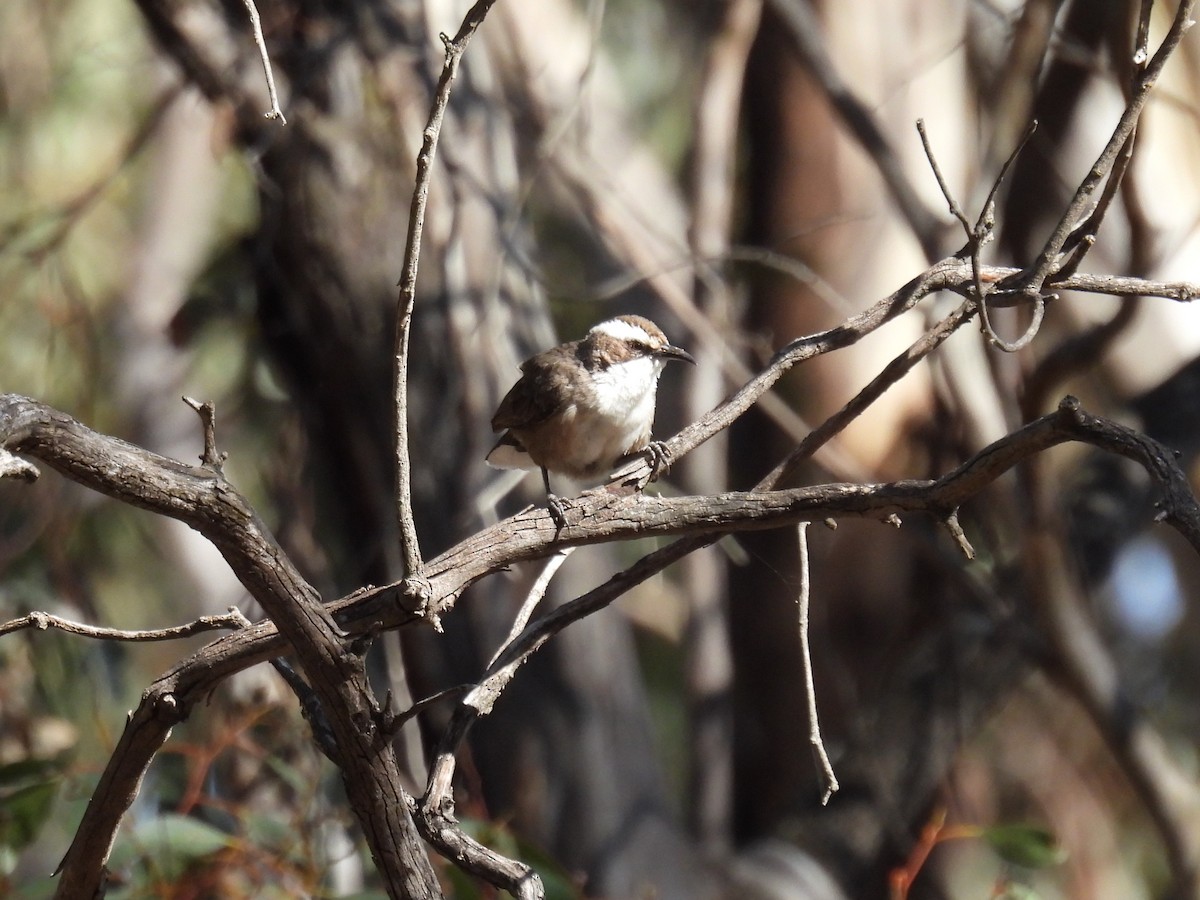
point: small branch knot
(416, 593)
(1069, 409)
(211, 458)
(167, 708)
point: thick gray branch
(200, 496)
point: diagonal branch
(940, 497)
(951, 274)
(203, 499)
(1050, 260)
(602, 517)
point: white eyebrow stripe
(624, 331)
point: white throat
(625, 391)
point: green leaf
(25, 769)
(23, 812)
(179, 839)
(1029, 846)
(1015, 891)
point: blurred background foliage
(157, 240)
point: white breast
(619, 412)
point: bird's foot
(659, 456)
(558, 512)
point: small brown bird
(582, 407)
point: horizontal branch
(42, 621)
(201, 497)
(600, 516)
(594, 517)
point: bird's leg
(557, 511)
(659, 457)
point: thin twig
(533, 598)
(900, 366)
(829, 782)
(43, 621)
(955, 209)
(980, 234)
(954, 527)
(256, 23)
(398, 720)
(408, 280)
(1049, 259)
(1083, 237)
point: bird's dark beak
(669, 352)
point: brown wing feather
(541, 391)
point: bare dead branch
(455, 48)
(602, 517)
(533, 598)
(42, 621)
(203, 499)
(829, 782)
(1083, 237)
(979, 235)
(857, 405)
(256, 24)
(952, 274)
(1050, 259)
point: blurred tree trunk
(335, 191)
